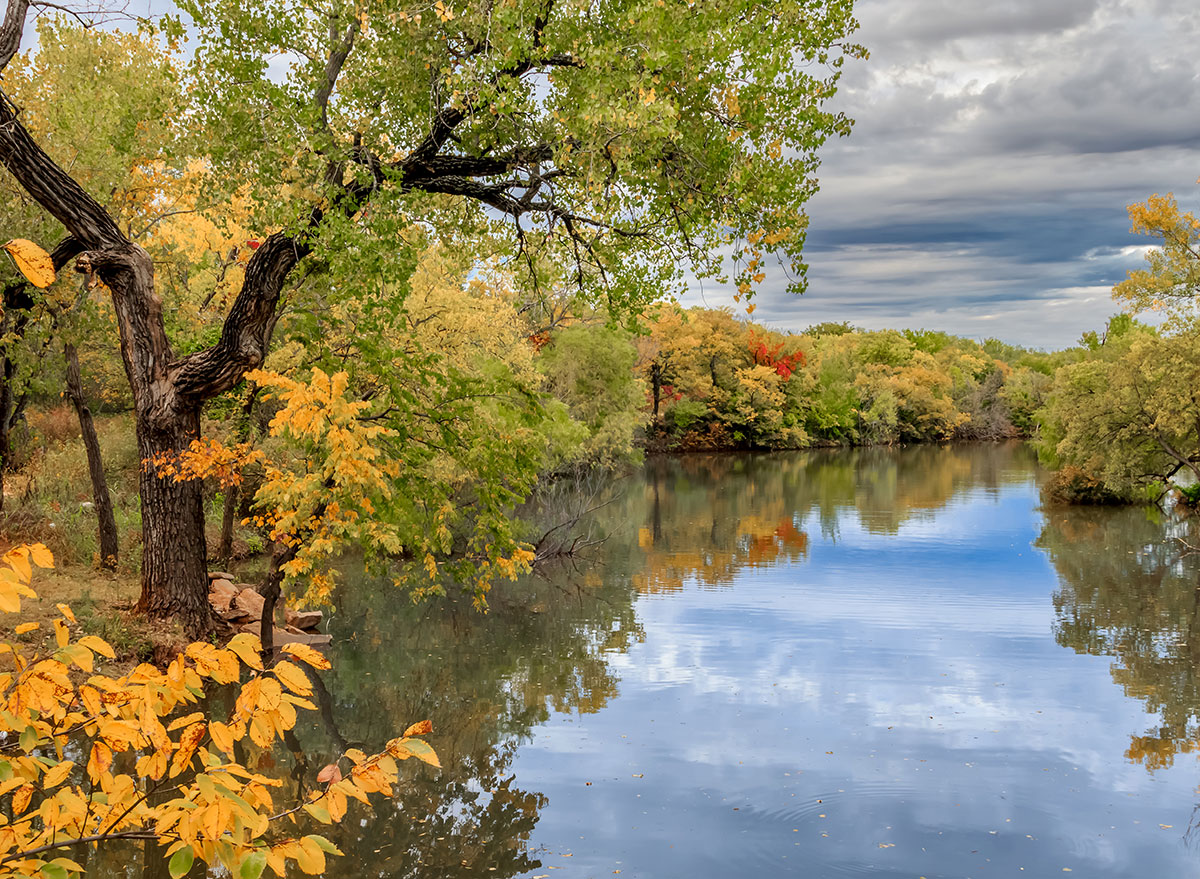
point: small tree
(123, 757)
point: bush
(1071, 485)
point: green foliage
(1127, 414)
(590, 369)
(707, 134)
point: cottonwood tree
(614, 140)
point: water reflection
(1130, 590)
(825, 663)
(705, 518)
(487, 682)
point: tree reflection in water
(546, 645)
(1129, 590)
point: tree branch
(48, 184)
(10, 31)
(338, 54)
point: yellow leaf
(56, 776)
(307, 654)
(18, 559)
(194, 717)
(247, 647)
(41, 556)
(404, 748)
(188, 743)
(66, 611)
(98, 645)
(100, 760)
(221, 736)
(33, 262)
(310, 858)
(293, 677)
(26, 627)
(61, 634)
(337, 805)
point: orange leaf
(33, 262)
(421, 728)
(329, 773)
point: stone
(303, 619)
(220, 575)
(221, 594)
(250, 603)
(282, 636)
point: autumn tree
(90, 759)
(1128, 411)
(614, 140)
(1171, 280)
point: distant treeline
(711, 380)
(1117, 415)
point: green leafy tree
(1131, 414)
(613, 140)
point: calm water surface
(871, 663)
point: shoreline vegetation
(689, 380)
(685, 380)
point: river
(891, 663)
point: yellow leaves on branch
(219, 810)
(205, 459)
(33, 262)
(17, 572)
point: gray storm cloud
(996, 146)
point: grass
(48, 500)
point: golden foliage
(135, 740)
(33, 262)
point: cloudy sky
(996, 145)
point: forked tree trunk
(168, 393)
(91, 443)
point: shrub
(1071, 485)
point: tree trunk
(174, 554)
(228, 515)
(91, 443)
(656, 386)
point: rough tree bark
(91, 443)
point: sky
(995, 148)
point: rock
(221, 594)
(303, 619)
(220, 575)
(282, 636)
(250, 603)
